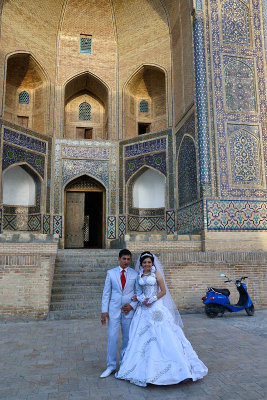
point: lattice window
(143, 106)
(24, 97)
(85, 111)
(86, 44)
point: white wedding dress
(158, 351)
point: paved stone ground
(63, 359)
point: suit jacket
(114, 297)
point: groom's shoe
(106, 373)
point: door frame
(103, 242)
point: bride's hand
(145, 302)
(134, 298)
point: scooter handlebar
(227, 281)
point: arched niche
(86, 89)
(146, 87)
(149, 190)
(26, 99)
(19, 187)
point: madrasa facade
(131, 121)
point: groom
(118, 307)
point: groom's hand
(126, 308)
(104, 317)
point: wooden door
(74, 233)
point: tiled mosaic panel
(146, 224)
(190, 219)
(34, 222)
(187, 172)
(170, 222)
(111, 227)
(9, 222)
(97, 169)
(235, 22)
(253, 55)
(201, 100)
(85, 152)
(239, 84)
(57, 225)
(122, 225)
(188, 128)
(13, 155)
(157, 161)
(144, 147)
(245, 158)
(232, 215)
(20, 139)
(46, 224)
(1, 219)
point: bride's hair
(145, 255)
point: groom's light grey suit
(112, 301)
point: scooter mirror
(223, 275)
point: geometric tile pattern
(232, 215)
(10, 222)
(235, 22)
(170, 222)
(95, 168)
(190, 218)
(122, 225)
(187, 172)
(245, 158)
(111, 227)
(145, 147)
(46, 224)
(156, 160)
(146, 224)
(12, 155)
(20, 139)
(239, 84)
(34, 222)
(57, 225)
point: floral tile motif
(85, 152)
(235, 22)
(187, 172)
(149, 146)
(111, 227)
(190, 218)
(95, 168)
(157, 161)
(28, 142)
(57, 225)
(13, 155)
(232, 215)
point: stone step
(82, 275)
(77, 282)
(69, 297)
(72, 314)
(77, 289)
(93, 305)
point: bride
(158, 351)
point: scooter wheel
(210, 312)
(250, 310)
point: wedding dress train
(158, 351)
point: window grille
(143, 106)
(85, 111)
(86, 44)
(24, 97)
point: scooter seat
(225, 292)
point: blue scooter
(217, 300)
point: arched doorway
(84, 213)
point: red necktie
(123, 279)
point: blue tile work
(170, 222)
(232, 215)
(187, 172)
(146, 224)
(96, 169)
(190, 218)
(239, 81)
(111, 227)
(57, 225)
(187, 128)
(122, 225)
(99, 153)
(1, 219)
(34, 222)
(251, 54)
(46, 224)
(28, 142)
(244, 158)
(10, 222)
(201, 101)
(264, 12)
(145, 147)
(156, 160)
(13, 155)
(235, 22)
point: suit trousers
(113, 335)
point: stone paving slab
(62, 360)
